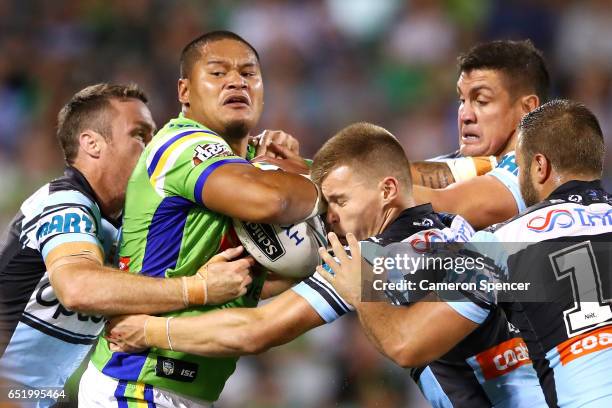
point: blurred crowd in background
(326, 63)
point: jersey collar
(573, 186)
(181, 121)
(413, 218)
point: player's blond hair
(367, 149)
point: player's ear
(389, 188)
(90, 142)
(542, 168)
(529, 103)
(183, 91)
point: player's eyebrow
(248, 64)
(335, 196)
(479, 88)
(147, 126)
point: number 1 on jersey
(578, 263)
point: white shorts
(97, 390)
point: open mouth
(469, 138)
(236, 101)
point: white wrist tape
(320, 205)
(462, 168)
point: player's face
(225, 88)
(488, 115)
(132, 128)
(526, 184)
(354, 203)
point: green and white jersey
(168, 232)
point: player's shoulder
(555, 217)
(183, 141)
(70, 190)
(179, 131)
(421, 227)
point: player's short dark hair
(368, 149)
(90, 108)
(567, 133)
(521, 63)
(192, 51)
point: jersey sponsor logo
(565, 218)
(207, 151)
(174, 369)
(562, 218)
(266, 240)
(585, 344)
(503, 358)
(422, 241)
(508, 163)
(65, 221)
(462, 231)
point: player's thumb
(227, 255)
(280, 151)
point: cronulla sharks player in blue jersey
(365, 180)
(560, 244)
(499, 82)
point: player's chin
(473, 149)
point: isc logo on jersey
(288, 250)
(73, 220)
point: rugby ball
(287, 250)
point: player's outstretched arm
(415, 335)
(227, 332)
(439, 174)
(250, 194)
(482, 201)
(411, 336)
(83, 284)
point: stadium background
(326, 64)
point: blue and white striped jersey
(41, 341)
(467, 376)
(562, 247)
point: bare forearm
(240, 331)
(296, 197)
(482, 201)
(431, 174)
(379, 326)
(269, 197)
(107, 291)
(407, 335)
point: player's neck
(509, 147)
(239, 147)
(109, 197)
(393, 212)
(556, 180)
